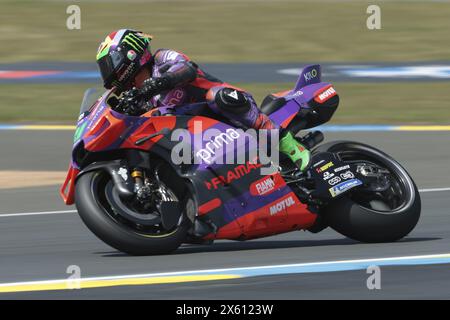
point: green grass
(49, 103)
(236, 31)
(230, 30)
(396, 103)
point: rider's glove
(155, 86)
(131, 102)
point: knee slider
(232, 100)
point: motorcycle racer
(168, 77)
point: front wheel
(114, 221)
(375, 214)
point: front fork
(138, 162)
(129, 175)
(141, 185)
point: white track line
(246, 271)
(22, 214)
(5, 215)
(434, 190)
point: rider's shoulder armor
(164, 56)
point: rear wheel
(385, 210)
(126, 225)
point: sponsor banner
(325, 167)
(344, 186)
(282, 205)
(267, 185)
(325, 95)
(232, 175)
(339, 169)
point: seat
(272, 103)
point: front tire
(375, 222)
(99, 219)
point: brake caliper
(377, 179)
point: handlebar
(133, 102)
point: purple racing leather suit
(187, 83)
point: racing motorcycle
(131, 194)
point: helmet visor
(106, 70)
(117, 59)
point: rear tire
(360, 223)
(116, 234)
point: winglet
(310, 74)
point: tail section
(310, 75)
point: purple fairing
(218, 144)
(285, 112)
(246, 203)
(90, 120)
(309, 82)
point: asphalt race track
(42, 246)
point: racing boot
(298, 154)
